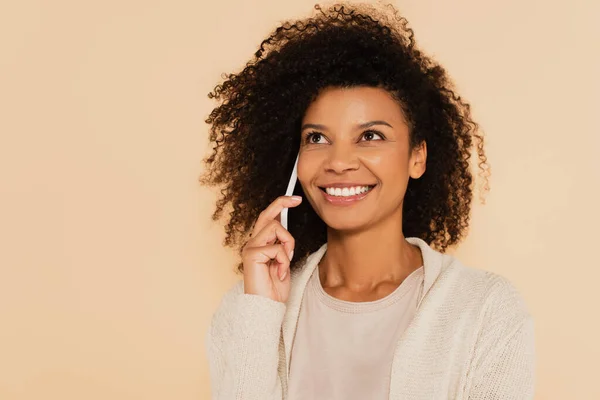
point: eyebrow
(361, 126)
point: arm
(504, 363)
(242, 346)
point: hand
(267, 255)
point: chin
(347, 225)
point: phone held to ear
(289, 192)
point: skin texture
(346, 65)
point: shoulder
(232, 293)
(486, 284)
(246, 312)
(462, 286)
(495, 298)
(226, 308)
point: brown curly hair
(256, 128)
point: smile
(346, 195)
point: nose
(341, 158)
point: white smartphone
(289, 192)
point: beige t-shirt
(343, 350)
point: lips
(346, 200)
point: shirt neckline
(365, 306)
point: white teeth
(347, 191)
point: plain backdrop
(110, 265)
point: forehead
(353, 105)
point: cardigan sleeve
(504, 363)
(242, 346)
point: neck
(362, 260)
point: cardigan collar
(432, 265)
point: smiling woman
(370, 307)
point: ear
(418, 161)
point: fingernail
(282, 277)
(296, 198)
(291, 255)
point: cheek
(308, 168)
(387, 165)
(308, 165)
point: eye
(371, 135)
(314, 138)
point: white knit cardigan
(471, 338)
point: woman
(357, 300)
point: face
(355, 161)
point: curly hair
(255, 130)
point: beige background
(110, 266)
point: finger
(284, 265)
(279, 272)
(274, 256)
(264, 254)
(272, 233)
(274, 209)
